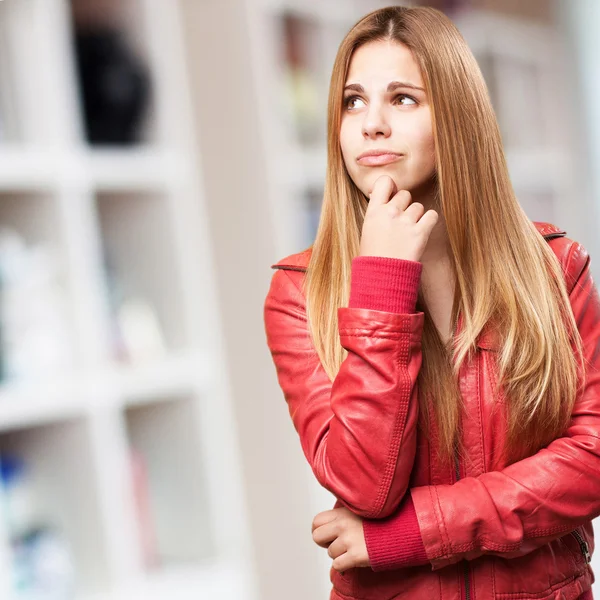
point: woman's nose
(375, 123)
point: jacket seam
(385, 486)
(480, 415)
(575, 246)
(444, 528)
(491, 545)
(572, 248)
(446, 545)
(392, 336)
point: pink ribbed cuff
(395, 542)
(386, 284)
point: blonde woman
(438, 351)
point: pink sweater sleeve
(395, 542)
(385, 284)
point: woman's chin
(368, 186)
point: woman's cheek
(353, 170)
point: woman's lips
(375, 160)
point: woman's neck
(437, 251)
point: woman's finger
(383, 188)
(416, 210)
(429, 219)
(324, 535)
(343, 562)
(324, 517)
(336, 548)
(402, 199)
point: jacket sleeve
(358, 432)
(514, 511)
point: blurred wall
(233, 167)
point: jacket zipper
(467, 588)
(583, 545)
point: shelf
(171, 376)
(25, 404)
(133, 169)
(28, 168)
(24, 168)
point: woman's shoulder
(549, 230)
(294, 262)
(570, 253)
(286, 289)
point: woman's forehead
(379, 63)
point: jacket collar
(488, 338)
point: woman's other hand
(341, 532)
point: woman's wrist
(395, 542)
(385, 284)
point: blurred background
(156, 157)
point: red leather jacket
(485, 530)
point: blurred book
(41, 559)
(141, 496)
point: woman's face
(385, 109)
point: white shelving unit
(524, 66)
(140, 207)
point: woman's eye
(348, 101)
(412, 100)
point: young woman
(438, 351)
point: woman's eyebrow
(391, 87)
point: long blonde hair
(505, 272)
